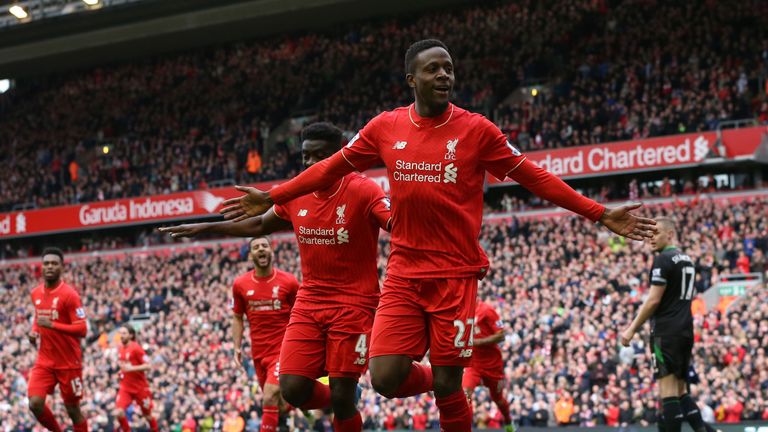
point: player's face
(662, 238)
(261, 253)
(125, 336)
(313, 151)
(432, 77)
(52, 268)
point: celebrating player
(337, 231)
(487, 366)
(436, 155)
(59, 324)
(265, 295)
(133, 383)
(669, 306)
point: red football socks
(48, 420)
(320, 398)
(153, 425)
(269, 419)
(419, 381)
(455, 415)
(352, 424)
(80, 427)
(124, 425)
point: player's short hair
(252, 239)
(53, 251)
(131, 330)
(667, 222)
(322, 131)
(417, 47)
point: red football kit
(487, 367)
(59, 358)
(436, 168)
(134, 385)
(337, 230)
(266, 302)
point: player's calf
(343, 397)
(43, 414)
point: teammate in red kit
(133, 383)
(487, 366)
(265, 295)
(436, 155)
(337, 231)
(59, 324)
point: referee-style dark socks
(673, 414)
(691, 413)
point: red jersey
(58, 350)
(487, 358)
(436, 168)
(134, 354)
(338, 230)
(266, 302)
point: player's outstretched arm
(237, 337)
(251, 227)
(492, 339)
(317, 177)
(548, 186)
(646, 311)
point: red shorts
(419, 314)
(142, 397)
(474, 377)
(43, 380)
(267, 370)
(330, 341)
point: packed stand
(185, 121)
(620, 81)
(564, 289)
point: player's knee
(387, 374)
(446, 380)
(118, 412)
(386, 383)
(36, 405)
(295, 389)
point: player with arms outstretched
(436, 155)
(668, 305)
(337, 230)
(134, 385)
(265, 295)
(59, 323)
(487, 367)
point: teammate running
(337, 230)
(134, 385)
(265, 295)
(669, 306)
(59, 324)
(487, 366)
(436, 155)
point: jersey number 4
(686, 290)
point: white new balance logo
(400, 145)
(302, 212)
(451, 172)
(342, 235)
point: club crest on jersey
(340, 214)
(275, 291)
(37, 302)
(55, 302)
(451, 149)
(302, 212)
(514, 149)
(80, 312)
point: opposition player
(669, 306)
(265, 295)
(436, 155)
(337, 231)
(134, 385)
(487, 366)
(59, 324)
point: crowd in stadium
(610, 80)
(564, 288)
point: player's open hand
(238, 358)
(626, 337)
(255, 202)
(44, 321)
(186, 230)
(621, 221)
(32, 336)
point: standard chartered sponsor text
(317, 236)
(418, 175)
(147, 208)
